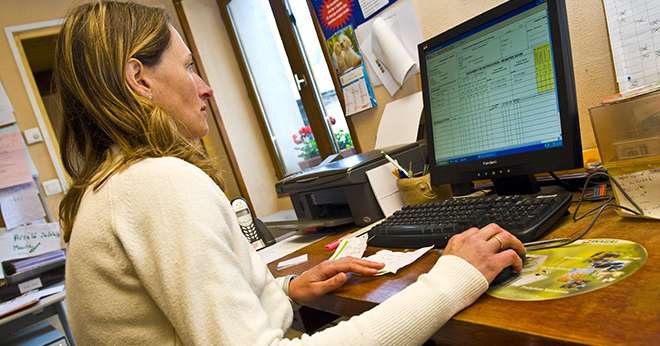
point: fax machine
(340, 191)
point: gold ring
(499, 240)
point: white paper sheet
(14, 167)
(27, 299)
(399, 123)
(21, 205)
(26, 241)
(402, 19)
(6, 109)
(644, 188)
(288, 245)
(634, 29)
(396, 260)
(383, 184)
(292, 262)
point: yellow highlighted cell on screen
(545, 79)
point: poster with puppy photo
(349, 65)
(338, 20)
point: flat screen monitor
(499, 97)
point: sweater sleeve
(173, 224)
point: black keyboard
(528, 217)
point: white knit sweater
(156, 257)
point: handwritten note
(14, 167)
(634, 28)
(644, 188)
(26, 241)
(21, 205)
(6, 110)
(396, 260)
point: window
(291, 85)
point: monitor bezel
(568, 156)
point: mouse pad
(580, 267)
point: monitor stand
(516, 185)
(462, 189)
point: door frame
(15, 34)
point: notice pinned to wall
(26, 241)
(338, 20)
(6, 109)
(634, 30)
(389, 42)
(14, 165)
(20, 205)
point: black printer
(339, 192)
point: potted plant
(309, 151)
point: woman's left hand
(328, 276)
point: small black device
(525, 216)
(506, 274)
(253, 229)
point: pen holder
(418, 190)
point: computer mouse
(506, 274)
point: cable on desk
(564, 184)
(598, 210)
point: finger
(368, 263)
(331, 284)
(511, 242)
(497, 243)
(348, 264)
(470, 231)
(489, 231)
(507, 258)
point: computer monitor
(499, 97)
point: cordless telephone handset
(247, 224)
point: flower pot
(347, 152)
(304, 164)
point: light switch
(33, 135)
(52, 187)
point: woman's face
(176, 87)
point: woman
(155, 254)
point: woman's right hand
(490, 249)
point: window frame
(296, 60)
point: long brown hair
(100, 109)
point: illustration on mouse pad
(581, 267)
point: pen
(396, 164)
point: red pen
(332, 245)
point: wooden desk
(624, 313)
